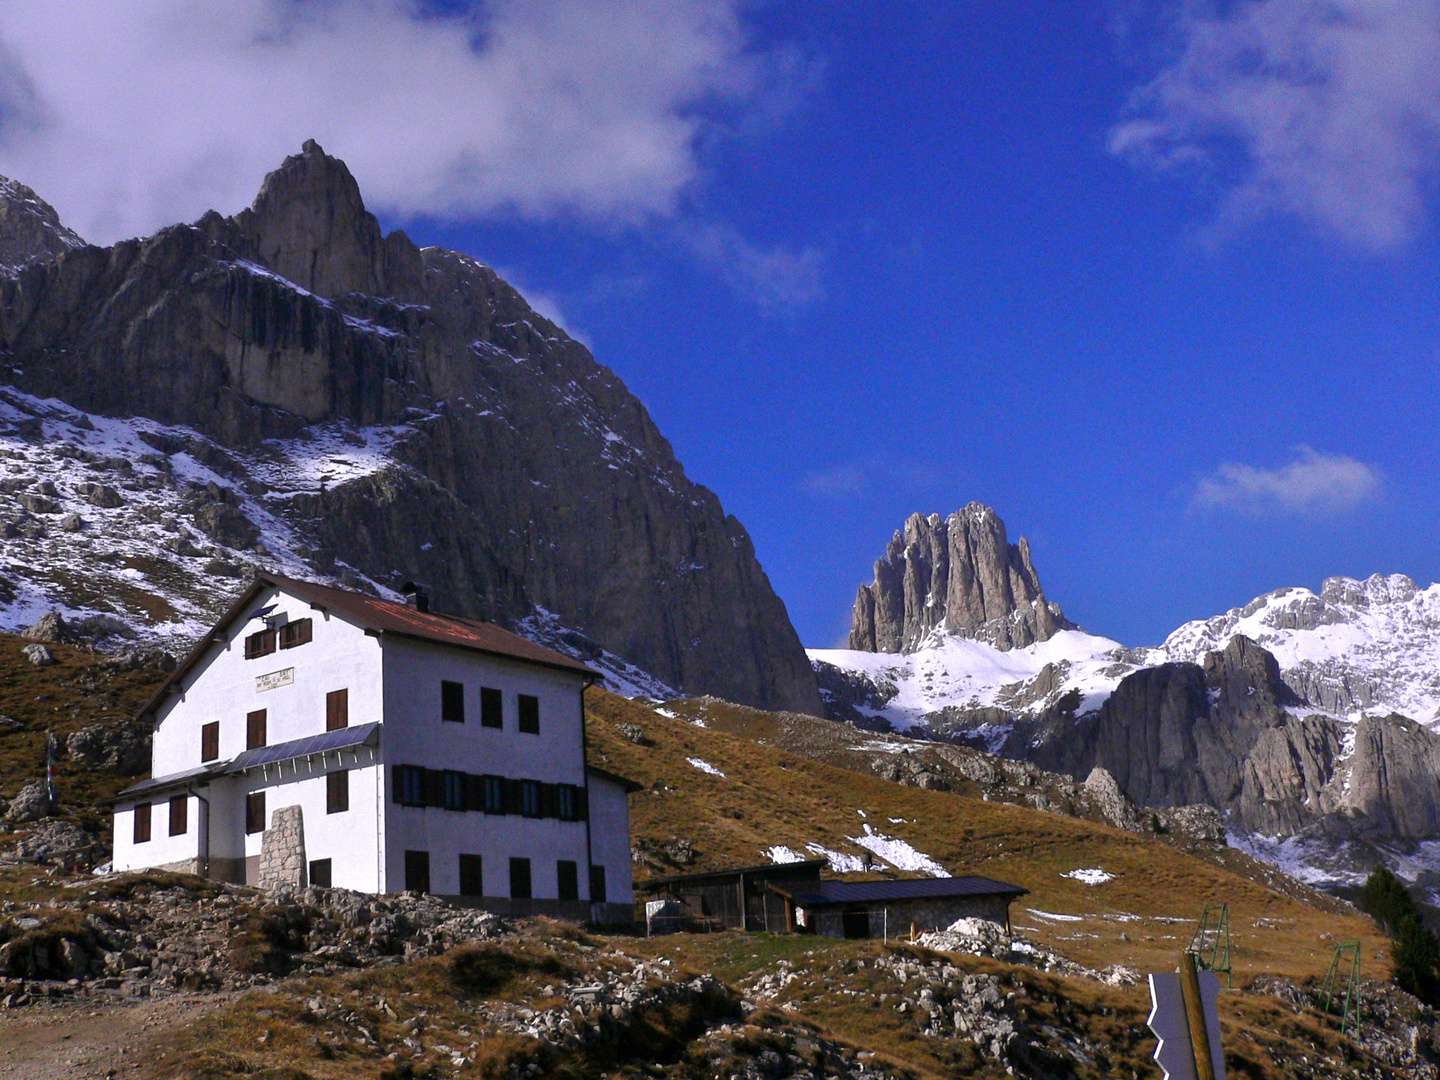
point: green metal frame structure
(1211, 944)
(1331, 986)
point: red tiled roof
(385, 617)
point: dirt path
(89, 1040)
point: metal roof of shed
(848, 892)
(787, 869)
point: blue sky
(1156, 281)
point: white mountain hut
(322, 736)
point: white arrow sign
(1167, 1019)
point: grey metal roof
(339, 739)
(849, 892)
(174, 779)
(805, 868)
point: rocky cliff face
(516, 472)
(1229, 732)
(30, 229)
(959, 575)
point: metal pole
(885, 932)
(1195, 1017)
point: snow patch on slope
(954, 671)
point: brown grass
(1143, 918)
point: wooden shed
(866, 909)
(739, 898)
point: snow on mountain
(146, 531)
(952, 672)
(1370, 646)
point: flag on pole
(50, 767)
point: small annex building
(738, 898)
(870, 909)
(322, 736)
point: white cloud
(129, 116)
(1326, 110)
(776, 278)
(836, 481)
(1314, 483)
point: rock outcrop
(1230, 733)
(30, 229)
(521, 473)
(959, 575)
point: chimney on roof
(415, 596)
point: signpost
(1185, 1015)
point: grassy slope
(71, 693)
(771, 796)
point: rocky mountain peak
(958, 575)
(30, 228)
(309, 225)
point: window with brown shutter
(567, 879)
(337, 791)
(142, 823)
(492, 707)
(529, 714)
(179, 815)
(210, 741)
(452, 702)
(417, 871)
(472, 883)
(337, 709)
(260, 643)
(296, 633)
(520, 879)
(255, 812)
(255, 729)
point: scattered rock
(221, 568)
(51, 628)
(72, 523)
(110, 748)
(38, 655)
(38, 504)
(32, 804)
(226, 525)
(634, 732)
(64, 842)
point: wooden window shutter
(549, 801)
(142, 823)
(210, 741)
(337, 709)
(255, 729)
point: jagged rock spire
(311, 227)
(960, 574)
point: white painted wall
(610, 838)
(222, 686)
(161, 848)
(414, 734)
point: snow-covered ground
(956, 671)
(145, 563)
(1371, 645)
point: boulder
(31, 804)
(38, 655)
(51, 628)
(110, 748)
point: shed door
(855, 924)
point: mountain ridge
(545, 483)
